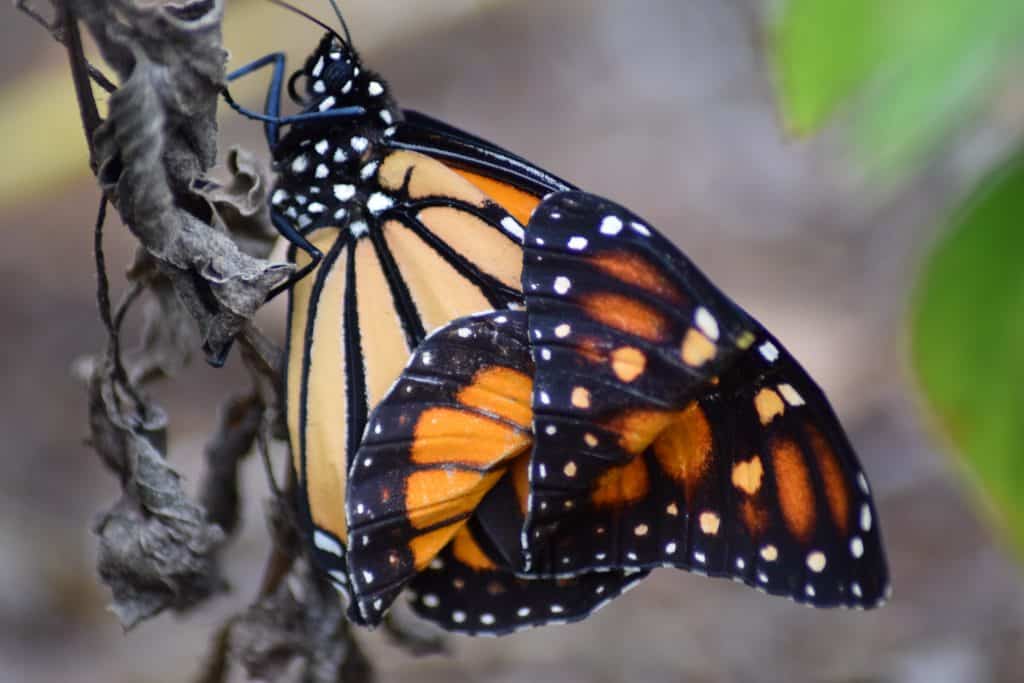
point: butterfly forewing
(734, 466)
(625, 331)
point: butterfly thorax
(327, 167)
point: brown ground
(664, 106)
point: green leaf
(911, 70)
(968, 341)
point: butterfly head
(335, 78)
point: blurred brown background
(663, 105)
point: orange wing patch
(520, 473)
(444, 436)
(638, 428)
(836, 492)
(628, 363)
(793, 482)
(746, 475)
(684, 448)
(696, 349)
(621, 485)
(769, 405)
(502, 391)
(468, 552)
(518, 203)
(638, 271)
(626, 315)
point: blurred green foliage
(906, 73)
(968, 339)
(910, 70)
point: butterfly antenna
(307, 15)
(341, 20)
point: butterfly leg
(288, 231)
(272, 105)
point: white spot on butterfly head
(385, 116)
(465, 332)
(367, 171)
(328, 102)
(358, 228)
(344, 192)
(318, 68)
(316, 207)
(611, 225)
(375, 89)
(359, 143)
(278, 196)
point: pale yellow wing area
(324, 428)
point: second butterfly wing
(672, 429)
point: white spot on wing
(512, 227)
(322, 147)
(769, 352)
(707, 323)
(562, 284)
(577, 243)
(326, 543)
(611, 225)
(300, 163)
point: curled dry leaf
(158, 140)
(156, 548)
(298, 632)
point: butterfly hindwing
(739, 469)
(444, 435)
(466, 590)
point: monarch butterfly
(655, 423)
(399, 224)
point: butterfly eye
(337, 74)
